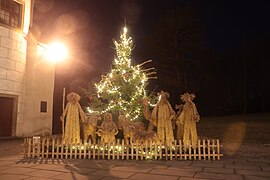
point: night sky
(226, 65)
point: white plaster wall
(39, 87)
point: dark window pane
(43, 106)
(11, 13)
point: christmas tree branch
(145, 62)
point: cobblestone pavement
(13, 166)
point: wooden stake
(63, 108)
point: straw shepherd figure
(189, 117)
(72, 113)
(163, 115)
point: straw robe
(163, 115)
(108, 129)
(188, 117)
(73, 112)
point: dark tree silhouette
(176, 45)
(178, 51)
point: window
(43, 106)
(11, 13)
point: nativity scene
(123, 119)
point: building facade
(26, 81)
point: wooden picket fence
(52, 147)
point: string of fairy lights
(125, 85)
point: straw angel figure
(73, 112)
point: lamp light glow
(56, 52)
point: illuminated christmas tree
(124, 86)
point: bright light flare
(56, 52)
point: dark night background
(218, 50)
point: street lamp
(40, 84)
(54, 52)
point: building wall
(39, 87)
(12, 67)
(26, 76)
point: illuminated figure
(73, 112)
(189, 117)
(129, 127)
(163, 115)
(108, 129)
(179, 127)
(90, 127)
(124, 124)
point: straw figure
(189, 117)
(124, 124)
(163, 115)
(147, 114)
(90, 127)
(108, 129)
(179, 127)
(128, 127)
(143, 137)
(72, 113)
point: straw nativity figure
(163, 114)
(179, 127)
(108, 129)
(72, 114)
(189, 117)
(130, 129)
(90, 127)
(125, 125)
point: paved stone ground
(236, 167)
(14, 167)
(11, 146)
